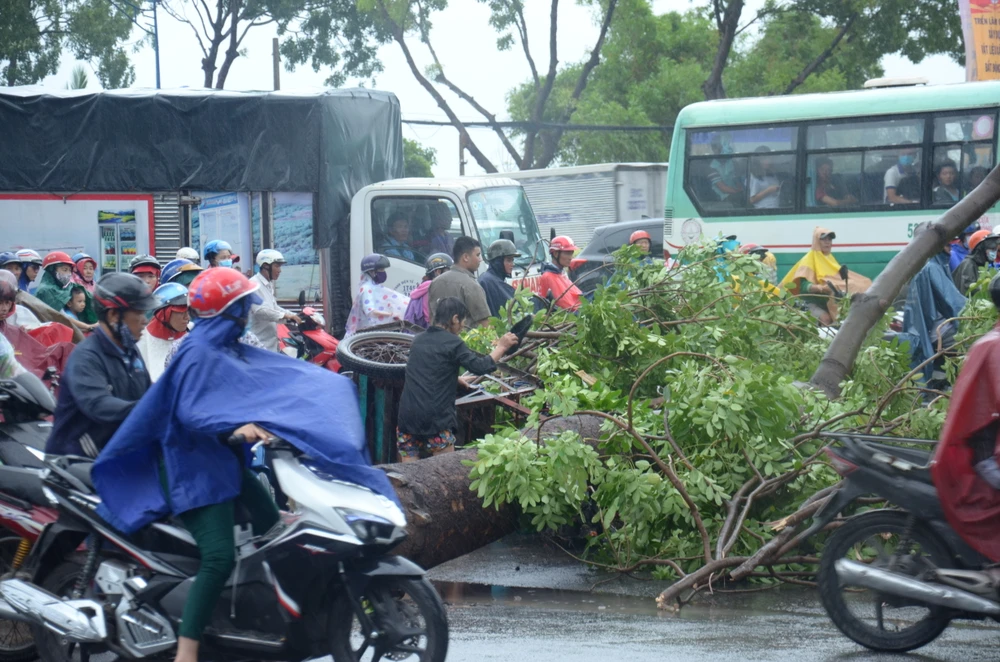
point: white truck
(574, 201)
(479, 207)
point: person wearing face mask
(982, 252)
(84, 268)
(960, 249)
(31, 262)
(105, 375)
(905, 167)
(264, 319)
(219, 253)
(168, 325)
(56, 289)
(500, 256)
(375, 303)
(214, 389)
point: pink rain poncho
(375, 304)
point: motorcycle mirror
(302, 297)
(507, 234)
(843, 272)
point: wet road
(494, 624)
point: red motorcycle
(25, 404)
(309, 340)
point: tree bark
(822, 57)
(868, 308)
(445, 519)
(727, 20)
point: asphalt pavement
(522, 600)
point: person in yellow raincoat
(812, 277)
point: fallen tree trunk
(867, 309)
(445, 519)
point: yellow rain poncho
(818, 268)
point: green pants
(212, 529)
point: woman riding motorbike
(208, 393)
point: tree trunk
(445, 519)
(868, 308)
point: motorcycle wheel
(874, 620)
(407, 613)
(50, 646)
(350, 360)
(16, 641)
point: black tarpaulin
(329, 142)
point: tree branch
(869, 307)
(522, 29)
(822, 57)
(542, 96)
(233, 51)
(400, 38)
(728, 22)
(553, 139)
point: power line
(540, 126)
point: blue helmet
(727, 244)
(171, 294)
(215, 246)
(175, 267)
(969, 230)
(7, 257)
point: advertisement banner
(981, 29)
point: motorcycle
(319, 583)
(310, 341)
(893, 579)
(24, 509)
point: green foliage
(703, 363)
(654, 65)
(418, 161)
(33, 34)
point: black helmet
(438, 261)
(995, 291)
(501, 248)
(116, 291)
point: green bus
(869, 165)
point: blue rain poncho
(213, 386)
(931, 299)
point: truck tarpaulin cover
(330, 142)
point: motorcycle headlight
(366, 526)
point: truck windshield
(506, 208)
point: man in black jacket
(105, 375)
(500, 256)
(427, 421)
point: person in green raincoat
(56, 289)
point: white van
(480, 207)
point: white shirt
(760, 184)
(154, 353)
(265, 317)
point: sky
(469, 57)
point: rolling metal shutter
(573, 205)
(167, 226)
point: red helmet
(637, 235)
(215, 289)
(57, 257)
(749, 249)
(561, 243)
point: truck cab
(409, 219)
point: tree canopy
(34, 34)
(418, 160)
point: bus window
(970, 154)
(963, 128)
(743, 141)
(771, 184)
(875, 133)
(893, 176)
(946, 187)
(834, 180)
(718, 183)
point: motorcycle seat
(22, 483)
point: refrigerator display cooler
(118, 245)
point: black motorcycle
(893, 579)
(319, 583)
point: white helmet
(269, 256)
(187, 253)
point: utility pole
(276, 57)
(461, 153)
(156, 45)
